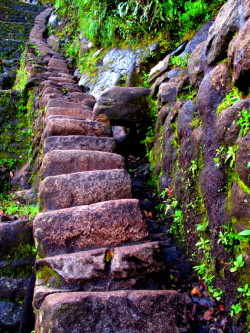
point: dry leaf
(1, 212)
(11, 174)
(196, 292)
(145, 213)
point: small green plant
(203, 244)
(219, 153)
(245, 291)
(238, 263)
(244, 122)
(225, 238)
(230, 155)
(194, 167)
(227, 156)
(233, 96)
(179, 61)
(196, 122)
(202, 227)
(236, 309)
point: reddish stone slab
(78, 142)
(60, 162)
(102, 224)
(84, 188)
(141, 311)
(70, 126)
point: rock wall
(200, 153)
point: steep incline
(96, 266)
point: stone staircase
(97, 271)
(16, 21)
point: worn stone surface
(197, 65)
(240, 202)
(71, 269)
(159, 69)
(239, 56)
(87, 270)
(101, 224)
(133, 260)
(226, 24)
(76, 142)
(84, 188)
(57, 63)
(113, 312)
(60, 162)
(122, 105)
(242, 159)
(12, 234)
(198, 38)
(212, 90)
(227, 129)
(75, 126)
(82, 112)
(168, 91)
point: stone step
(60, 162)
(14, 15)
(139, 311)
(60, 106)
(56, 70)
(101, 224)
(65, 87)
(102, 269)
(76, 142)
(57, 63)
(61, 79)
(63, 103)
(82, 112)
(84, 188)
(75, 126)
(80, 97)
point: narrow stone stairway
(97, 271)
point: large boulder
(239, 57)
(122, 105)
(227, 23)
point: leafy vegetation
(105, 22)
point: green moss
(48, 276)
(22, 75)
(243, 186)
